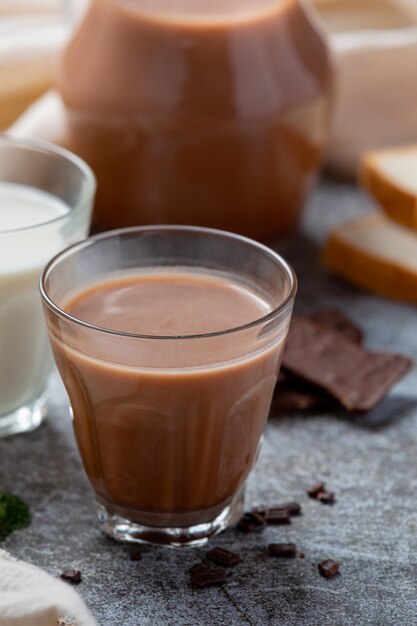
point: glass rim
(61, 153)
(138, 230)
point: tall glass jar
(211, 113)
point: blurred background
(373, 43)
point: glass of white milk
(46, 197)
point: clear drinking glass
(168, 427)
(39, 176)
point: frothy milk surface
(24, 352)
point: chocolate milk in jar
(208, 112)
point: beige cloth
(30, 597)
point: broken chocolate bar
(336, 320)
(356, 378)
(297, 399)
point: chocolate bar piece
(287, 400)
(314, 491)
(208, 577)
(279, 517)
(328, 568)
(326, 497)
(323, 357)
(251, 522)
(282, 550)
(336, 320)
(295, 394)
(72, 576)
(223, 557)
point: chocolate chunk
(72, 576)
(356, 378)
(278, 516)
(260, 510)
(336, 320)
(313, 492)
(251, 522)
(295, 394)
(136, 555)
(208, 577)
(283, 550)
(328, 568)
(223, 557)
(301, 555)
(320, 493)
(293, 507)
(326, 497)
(286, 508)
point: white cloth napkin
(30, 597)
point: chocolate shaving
(282, 550)
(356, 378)
(223, 557)
(328, 568)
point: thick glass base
(123, 529)
(24, 419)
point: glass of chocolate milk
(169, 342)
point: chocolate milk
(168, 445)
(214, 116)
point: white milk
(24, 352)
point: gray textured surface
(370, 462)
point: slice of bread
(375, 253)
(390, 176)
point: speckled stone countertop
(371, 462)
